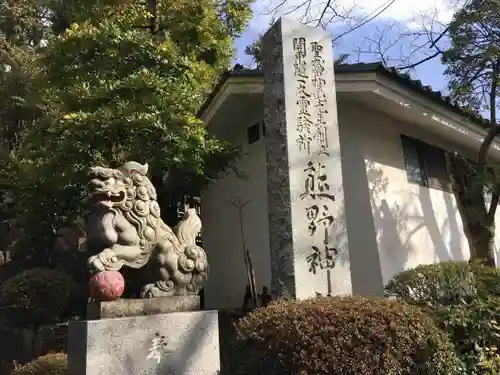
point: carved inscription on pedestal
(312, 140)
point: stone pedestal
(180, 343)
(140, 307)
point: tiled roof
(375, 67)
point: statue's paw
(160, 288)
(150, 291)
(95, 265)
(106, 260)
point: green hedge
(446, 283)
(344, 336)
(50, 364)
(38, 296)
(464, 300)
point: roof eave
(402, 79)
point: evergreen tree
(116, 82)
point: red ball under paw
(106, 286)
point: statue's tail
(193, 260)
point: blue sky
(402, 16)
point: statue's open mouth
(108, 197)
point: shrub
(15, 345)
(227, 339)
(475, 330)
(50, 364)
(465, 302)
(344, 336)
(446, 283)
(50, 339)
(37, 296)
(489, 366)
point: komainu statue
(126, 229)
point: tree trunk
(479, 226)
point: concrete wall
(414, 224)
(222, 236)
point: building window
(253, 133)
(425, 164)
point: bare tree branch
(377, 12)
(324, 13)
(420, 45)
(378, 46)
(327, 6)
(415, 64)
(407, 48)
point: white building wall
(414, 224)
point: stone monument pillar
(161, 333)
(308, 235)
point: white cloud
(406, 10)
(409, 12)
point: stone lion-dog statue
(126, 230)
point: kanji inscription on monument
(304, 178)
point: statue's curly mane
(142, 210)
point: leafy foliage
(37, 296)
(49, 364)
(21, 31)
(490, 366)
(473, 60)
(446, 283)
(16, 92)
(120, 83)
(254, 51)
(465, 301)
(475, 331)
(343, 335)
